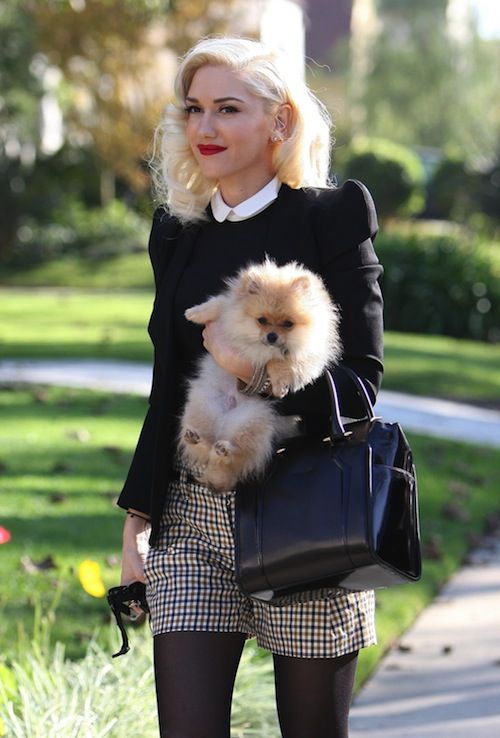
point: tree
(118, 60)
(110, 65)
(425, 86)
(21, 92)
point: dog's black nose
(272, 337)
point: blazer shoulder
(349, 207)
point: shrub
(95, 233)
(392, 172)
(449, 190)
(440, 281)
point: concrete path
(427, 415)
(443, 679)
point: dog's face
(273, 312)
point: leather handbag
(335, 512)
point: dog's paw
(195, 314)
(223, 448)
(280, 388)
(191, 436)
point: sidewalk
(426, 415)
(443, 679)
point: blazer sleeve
(345, 224)
(136, 492)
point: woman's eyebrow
(217, 100)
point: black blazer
(329, 231)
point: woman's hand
(134, 550)
(222, 353)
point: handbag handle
(338, 430)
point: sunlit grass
(65, 455)
(443, 367)
(112, 325)
(45, 695)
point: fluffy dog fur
(278, 317)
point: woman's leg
(314, 695)
(195, 673)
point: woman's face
(228, 131)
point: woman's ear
(283, 122)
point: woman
(243, 172)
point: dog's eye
(287, 324)
(262, 321)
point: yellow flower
(89, 574)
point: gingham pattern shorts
(191, 585)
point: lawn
(95, 324)
(65, 454)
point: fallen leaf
(57, 497)
(62, 467)
(40, 395)
(33, 567)
(432, 548)
(454, 511)
(492, 523)
(404, 648)
(459, 488)
(80, 434)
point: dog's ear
(301, 284)
(249, 285)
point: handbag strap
(338, 430)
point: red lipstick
(209, 149)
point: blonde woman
(243, 172)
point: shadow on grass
(64, 534)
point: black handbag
(334, 512)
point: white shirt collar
(247, 208)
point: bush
(449, 190)
(392, 172)
(440, 281)
(95, 233)
(457, 193)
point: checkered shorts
(191, 585)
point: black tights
(195, 673)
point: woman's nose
(206, 127)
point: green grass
(97, 324)
(43, 694)
(130, 271)
(75, 323)
(443, 367)
(65, 454)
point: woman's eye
(262, 321)
(192, 109)
(229, 109)
(287, 324)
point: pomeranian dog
(278, 317)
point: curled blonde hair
(302, 160)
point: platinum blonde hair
(302, 160)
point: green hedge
(74, 230)
(392, 172)
(440, 280)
